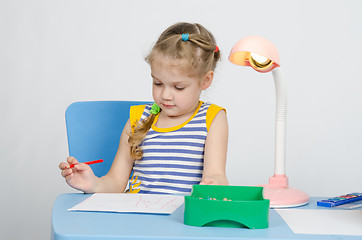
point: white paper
(318, 221)
(130, 203)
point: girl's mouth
(167, 105)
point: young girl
(177, 142)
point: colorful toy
(336, 201)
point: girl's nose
(167, 93)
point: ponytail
(140, 131)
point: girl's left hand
(207, 182)
(215, 180)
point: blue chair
(94, 129)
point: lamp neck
(280, 121)
(281, 94)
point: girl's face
(174, 90)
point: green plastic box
(235, 206)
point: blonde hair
(201, 54)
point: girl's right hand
(80, 176)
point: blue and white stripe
(173, 161)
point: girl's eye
(157, 84)
(179, 88)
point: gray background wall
(53, 53)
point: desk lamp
(262, 55)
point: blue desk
(98, 225)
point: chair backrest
(94, 129)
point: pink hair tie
(216, 48)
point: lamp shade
(257, 52)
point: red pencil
(89, 163)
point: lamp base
(283, 196)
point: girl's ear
(207, 80)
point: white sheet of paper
(318, 221)
(130, 203)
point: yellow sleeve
(135, 114)
(211, 113)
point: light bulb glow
(260, 63)
(259, 59)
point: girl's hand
(80, 177)
(214, 180)
(207, 182)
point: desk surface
(99, 225)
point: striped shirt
(173, 158)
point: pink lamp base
(283, 196)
